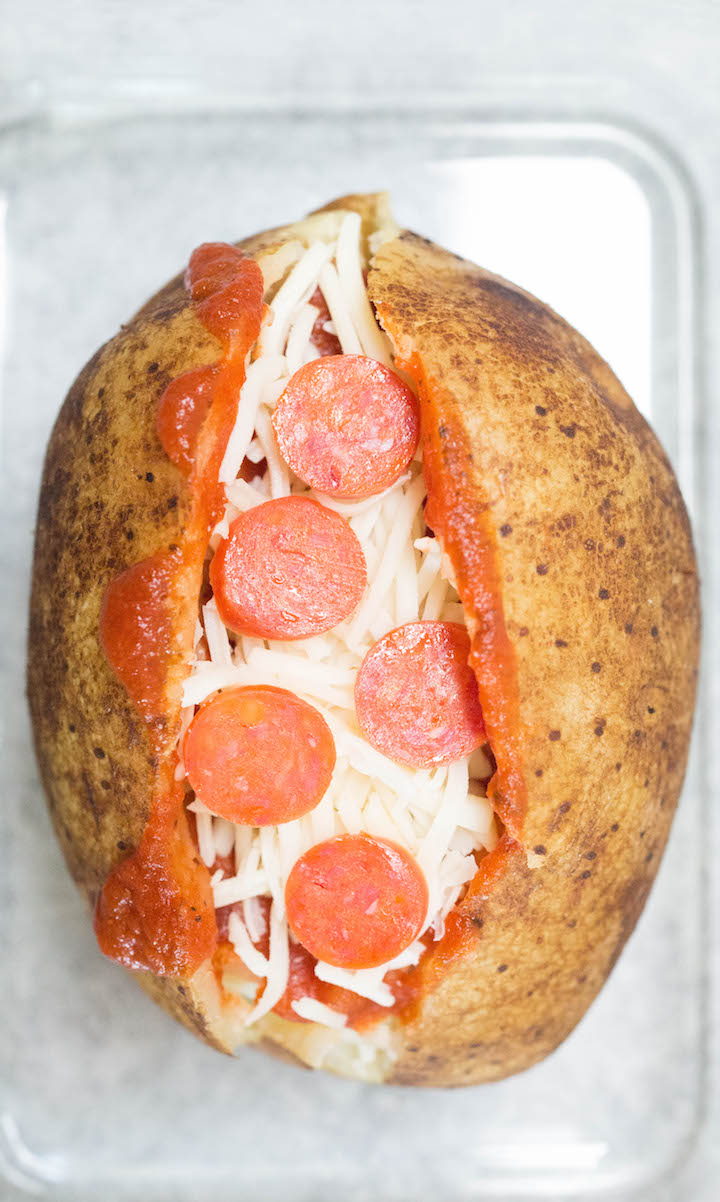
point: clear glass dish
(102, 1095)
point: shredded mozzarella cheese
(316, 1012)
(336, 303)
(374, 343)
(262, 371)
(302, 281)
(299, 337)
(245, 948)
(278, 965)
(441, 816)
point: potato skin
(600, 598)
(583, 504)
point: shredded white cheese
(278, 964)
(316, 1012)
(441, 816)
(301, 282)
(336, 303)
(259, 373)
(374, 343)
(245, 948)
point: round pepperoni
(347, 425)
(259, 755)
(355, 901)
(289, 568)
(416, 696)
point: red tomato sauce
(181, 413)
(156, 907)
(462, 520)
(136, 634)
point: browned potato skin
(582, 500)
(600, 597)
(109, 498)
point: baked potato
(570, 549)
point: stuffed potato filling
(332, 743)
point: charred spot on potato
(560, 643)
(603, 594)
(596, 667)
(541, 569)
(540, 849)
(620, 541)
(506, 529)
(554, 735)
(502, 967)
(540, 410)
(568, 431)
(98, 753)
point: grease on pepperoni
(347, 425)
(259, 755)
(416, 696)
(289, 569)
(355, 901)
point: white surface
(651, 65)
(513, 214)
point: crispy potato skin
(600, 596)
(600, 602)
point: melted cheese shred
(441, 816)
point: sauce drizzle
(156, 907)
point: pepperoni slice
(416, 696)
(347, 425)
(259, 755)
(290, 568)
(355, 901)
